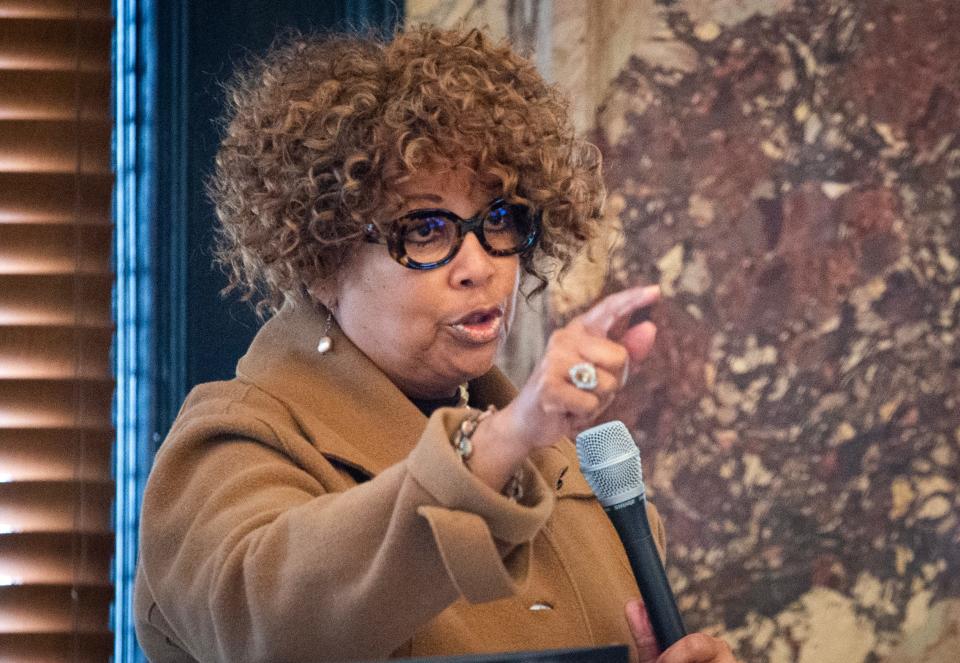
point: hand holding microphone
(694, 648)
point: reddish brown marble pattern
(799, 422)
(788, 170)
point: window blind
(56, 386)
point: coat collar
(350, 410)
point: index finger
(600, 319)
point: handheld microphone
(610, 462)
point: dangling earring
(325, 343)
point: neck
(460, 391)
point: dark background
(199, 335)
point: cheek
(411, 307)
(513, 291)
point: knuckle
(611, 384)
(562, 335)
(555, 340)
(622, 355)
(549, 408)
(552, 340)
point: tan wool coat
(308, 511)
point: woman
(369, 485)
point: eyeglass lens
(431, 238)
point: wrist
(507, 426)
(501, 434)
(494, 456)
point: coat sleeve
(248, 557)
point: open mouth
(480, 326)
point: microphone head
(610, 462)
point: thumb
(639, 622)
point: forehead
(440, 185)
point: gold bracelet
(463, 445)
(462, 442)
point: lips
(479, 326)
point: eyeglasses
(430, 238)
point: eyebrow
(429, 197)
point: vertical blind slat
(56, 386)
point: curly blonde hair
(320, 130)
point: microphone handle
(630, 520)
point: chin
(476, 366)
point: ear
(325, 291)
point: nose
(472, 265)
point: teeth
(479, 318)
(478, 328)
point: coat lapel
(344, 404)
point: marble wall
(789, 172)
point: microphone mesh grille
(597, 448)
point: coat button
(540, 605)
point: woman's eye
(499, 219)
(425, 231)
